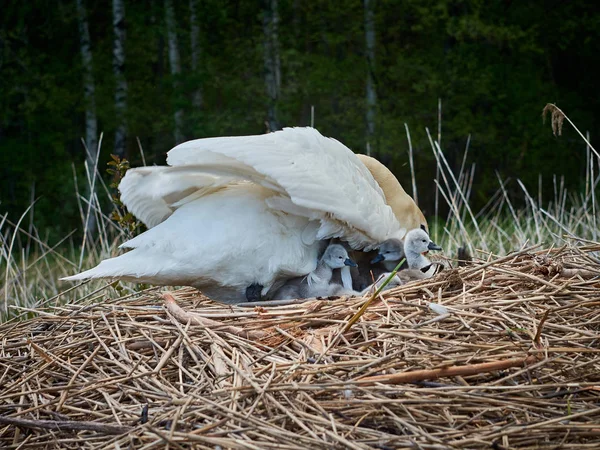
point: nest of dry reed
(511, 362)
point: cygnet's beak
(433, 246)
(350, 263)
(378, 258)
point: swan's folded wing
(153, 193)
(321, 176)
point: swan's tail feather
(128, 266)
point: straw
(513, 362)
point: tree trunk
(272, 62)
(371, 94)
(91, 123)
(119, 72)
(175, 65)
(195, 44)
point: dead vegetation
(511, 362)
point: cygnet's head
(390, 250)
(417, 241)
(336, 257)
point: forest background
(149, 74)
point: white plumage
(233, 211)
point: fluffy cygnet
(367, 272)
(319, 282)
(417, 244)
(390, 252)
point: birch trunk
(175, 64)
(371, 94)
(272, 63)
(91, 123)
(195, 44)
(119, 73)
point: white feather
(221, 244)
(438, 309)
(233, 211)
(317, 173)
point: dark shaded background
(494, 64)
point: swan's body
(319, 282)
(254, 210)
(185, 251)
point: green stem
(364, 307)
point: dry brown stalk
(514, 365)
(184, 317)
(570, 273)
(60, 425)
(452, 371)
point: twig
(66, 424)
(452, 371)
(184, 317)
(362, 309)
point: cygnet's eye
(387, 252)
(424, 240)
(340, 257)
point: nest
(500, 354)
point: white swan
(234, 212)
(318, 283)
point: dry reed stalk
(185, 317)
(514, 363)
(452, 371)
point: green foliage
(117, 168)
(494, 64)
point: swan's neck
(405, 209)
(390, 265)
(323, 272)
(346, 277)
(416, 260)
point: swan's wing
(153, 193)
(244, 242)
(321, 178)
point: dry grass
(30, 267)
(510, 360)
(512, 363)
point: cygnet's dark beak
(350, 263)
(378, 258)
(433, 246)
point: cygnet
(319, 282)
(417, 244)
